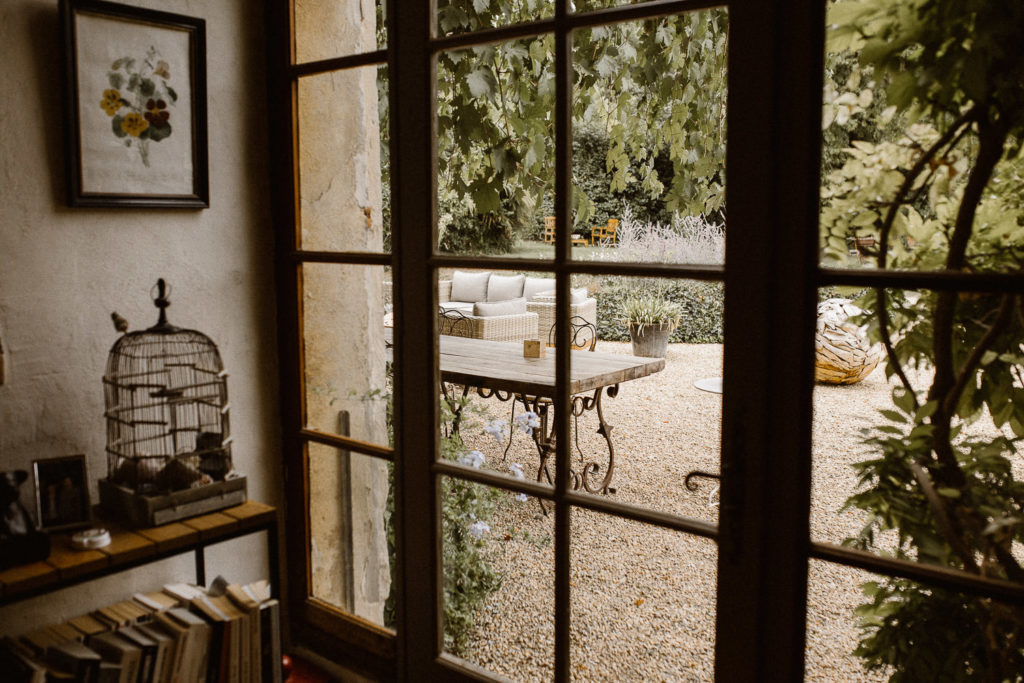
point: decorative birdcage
(168, 435)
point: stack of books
(227, 633)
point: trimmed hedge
(702, 304)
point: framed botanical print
(135, 106)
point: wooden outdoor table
(499, 370)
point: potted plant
(651, 319)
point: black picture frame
(134, 84)
(62, 493)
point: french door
(358, 131)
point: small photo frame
(62, 493)
(135, 106)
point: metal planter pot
(650, 341)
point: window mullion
(774, 136)
(414, 226)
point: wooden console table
(131, 548)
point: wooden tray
(135, 509)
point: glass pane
(346, 317)
(650, 394)
(643, 602)
(344, 191)
(462, 16)
(498, 557)
(352, 535)
(906, 630)
(489, 385)
(588, 5)
(906, 171)
(496, 151)
(325, 29)
(929, 474)
(649, 140)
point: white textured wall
(62, 271)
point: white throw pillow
(492, 308)
(505, 287)
(535, 285)
(576, 296)
(469, 286)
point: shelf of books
(226, 633)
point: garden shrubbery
(702, 305)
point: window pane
(496, 148)
(931, 474)
(588, 5)
(904, 169)
(344, 191)
(352, 537)
(462, 16)
(347, 366)
(325, 29)
(643, 601)
(653, 398)
(649, 140)
(492, 395)
(905, 629)
(498, 557)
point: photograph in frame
(62, 493)
(136, 106)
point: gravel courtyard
(643, 598)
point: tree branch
(971, 364)
(946, 524)
(992, 137)
(890, 351)
(915, 170)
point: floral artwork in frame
(135, 84)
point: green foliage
(901, 615)
(943, 192)
(591, 176)
(700, 306)
(468, 576)
(648, 307)
(655, 87)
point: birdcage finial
(162, 300)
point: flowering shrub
(688, 239)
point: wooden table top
(501, 366)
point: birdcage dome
(166, 408)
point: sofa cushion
(469, 286)
(577, 295)
(533, 286)
(460, 306)
(492, 308)
(505, 287)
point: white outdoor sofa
(506, 307)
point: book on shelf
(118, 650)
(19, 664)
(156, 601)
(193, 643)
(148, 646)
(74, 658)
(227, 634)
(88, 625)
(165, 646)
